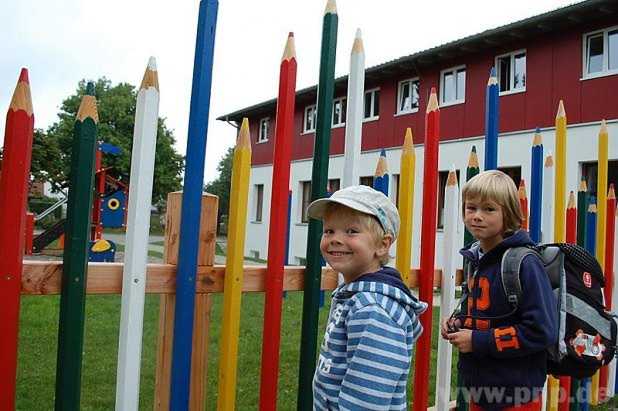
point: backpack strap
(509, 271)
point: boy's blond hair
(369, 222)
(495, 186)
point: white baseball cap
(364, 199)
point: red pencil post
(13, 196)
(571, 237)
(609, 275)
(277, 231)
(428, 250)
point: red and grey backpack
(587, 333)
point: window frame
(307, 108)
(303, 218)
(511, 56)
(374, 116)
(411, 80)
(605, 71)
(454, 70)
(344, 108)
(258, 203)
(261, 138)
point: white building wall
(513, 150)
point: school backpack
(587, 333)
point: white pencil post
(547, 215)
(354, 113)
(136, 252)
(447, 288)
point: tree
(221, 186)
(116, 108)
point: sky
(64, 41)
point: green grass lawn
(38, 343)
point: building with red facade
(569, 54)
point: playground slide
(46, 237)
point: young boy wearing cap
(373, 322)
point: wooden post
(206, 256)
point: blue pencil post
(536, 187)
(380, 180)
(191, 206)
(591, 234)
(492, 117)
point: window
(407, 96)
(339, 111)
(513, 172)
(442, 177)
(453, 86)
(333, 185)
(263, 133)
(589, 173)
(601, 53)
(305, 189)
(511, 69)
(259, 202)
(310, 117)
(366, 181)
(372, 104)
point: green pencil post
(75, 260)
(319, 180)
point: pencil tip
(23, 75)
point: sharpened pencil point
(537, 140)
(583, 186)
(571, 202)
(331, 7)
(561, 112)
(432, 105)
(493, 80)
(289, 52)
(244, 139)
(358, 46)
(151, 76)
(451, 180)
(408, 142)
(23, 75)
(473, 159)
(22, 99)
(603, 127)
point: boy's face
(349, 246)
(485, 221)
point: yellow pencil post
(601, 224)
(406, 207)
(559, 220)
(234, 269)
(560, 187)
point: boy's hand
(461, 339)
(449, 325)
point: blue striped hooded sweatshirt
(367, 348)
